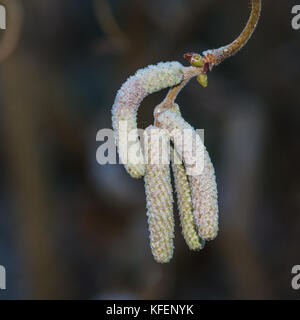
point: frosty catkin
(184, 198)
(205, 201)
(193, 170)
(203, 186)
(127, 102)
(159, 197)
(185, 205)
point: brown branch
(188, 74)
(211, 58)
(217, 56)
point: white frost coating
(130, 151)
(160, 76)
(203, 186)
(128, 100)
(159, 196)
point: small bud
(195, 59)
(202, 79)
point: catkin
(127, 102)
(159, 198)
(185, 205)
(203, 186)
(205, 200)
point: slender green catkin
(159, 195)
(203, 185)
(127, 102)
(185, 205)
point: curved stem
(188, 74)
(217, 56)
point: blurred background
(72, 229)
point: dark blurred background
(73, 229)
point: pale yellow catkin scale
(159, 197)
(127, 102)
(203, 186)
(185, 205)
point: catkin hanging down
(203, 185)
(159, 195)
(185, 205)
(192, 167)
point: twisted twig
(211, 58)
(219, 55)
(188, 74)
